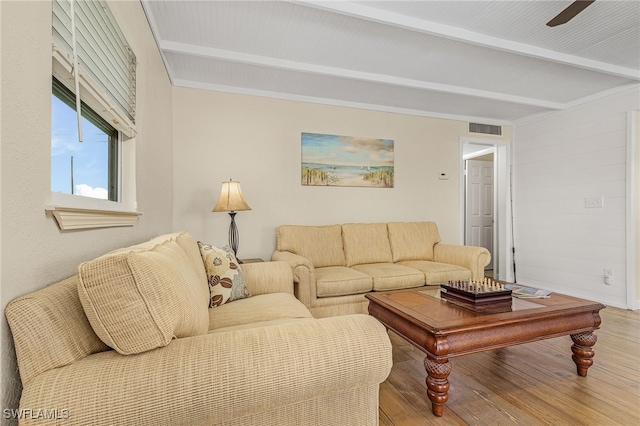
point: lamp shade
(231, 199)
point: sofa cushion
(366, 243)
(141, 299)
(190, 246)
(412, 240)
(439, 273)
(225, 278)
(266, 323)
(322, 245)
(266, 307)
(186, 241)
(340, 281)
(390, 276)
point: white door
(479, 205)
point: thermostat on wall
(443, 175)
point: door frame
(502, 249)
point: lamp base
(234, 238)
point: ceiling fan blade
(570, 12)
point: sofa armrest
(218, 377)
(471, 257)
(303, 276)
(268, 277)
(294, 260)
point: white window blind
(107, 65)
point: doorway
(485, 202)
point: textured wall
(559, 161)
(635, 204)
(34, 251)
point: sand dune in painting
(356, 181)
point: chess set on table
(482, 296)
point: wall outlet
(593, 202)
(443, 176)
(608, 276)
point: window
(92, 66)
(88, 168)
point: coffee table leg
(437, 383)
(583, 351)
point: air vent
(485, 129)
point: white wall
(35, 252)
(633, 257)
(256, 141)
(560, 159)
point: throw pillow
(142, 298)
(226, 281)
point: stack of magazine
(527, 292)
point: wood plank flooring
(531, 384)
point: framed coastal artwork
(332, 160)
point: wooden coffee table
(444, 330)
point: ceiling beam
(267, 61)
(358, 10)
(342, 103)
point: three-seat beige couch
(335, 266)
(262, 360)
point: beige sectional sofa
(131, 340)
(335, 266)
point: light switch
(593, 202)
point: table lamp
(232, 201)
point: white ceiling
(489, 61)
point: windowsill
(71, 218)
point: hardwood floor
(531, 384)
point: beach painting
(332, 160)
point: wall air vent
(486, 129)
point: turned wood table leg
(437, 383)
(583, 351)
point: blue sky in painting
(90, 157)
(346, 150)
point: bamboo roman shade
(106, 63)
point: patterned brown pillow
(226, 281)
